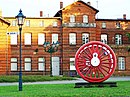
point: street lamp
(51, 48)
(20, 21)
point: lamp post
(20, 21)
(51, 48)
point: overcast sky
(108, 9)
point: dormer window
(118, 25)
(72, 18)
(103, 25)
(85, 19)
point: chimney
(124, 16)
(61, 5)
(89, 3)
(41, 14)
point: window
(54, 24)
(72, 65)
(103, 25)
(41, 38)
(41, 64)
(27, 64)
(118, 39)
(72, 18)
(104, 38)
(27, 40)
(118, 25)
(13, 64)
(72, 38)
(85, 19)
(14, 39)
(54, 38)
(85, 38)
(14, 23)
(41, 23)
(27, 23)
(121, 63)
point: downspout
(7, 69)
(61, 31)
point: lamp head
(20, 18)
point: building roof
(88, 6)
(59, 13)
(120, 19)
(34, 17)
(5, 21)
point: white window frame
(41, 64)
(103, 24)
(27, 39)
(55, 24)
(85, 19)
(72, 64)
(72, 18)
(85, 38)
(41, 23)
(118, 25)
(14, 64)
(118, 39)
(72, 38)
(13, 39)
(121, 63)
(41, 38)
(13, 22)
(27, 22)
(104, 38)
(27, 64)
(54, 38)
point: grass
(66, 90)
(32, 78)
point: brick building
(72, 26)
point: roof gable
(5, 21)
(88, 6)
(58, 14)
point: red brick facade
(66, 51)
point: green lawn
(32, 78)
(66, 90)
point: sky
(108, 9)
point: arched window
(104, 38)
(118, 39)
(72, 18)
(41, 64)
(14, 64)
(85, 38)
(54, 38)
(85, 19)
(121, 63)
(103, 24)
(72, 38)
(27, 64)
(13, 39)
(27, 39)
(41, 38)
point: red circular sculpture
(95, 61)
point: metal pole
(51, 64)
(20, 59)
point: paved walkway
(127, 78)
